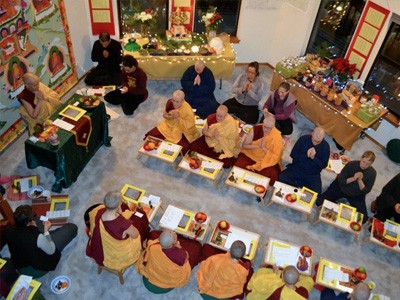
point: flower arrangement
(211, 18)
(342, 65)
(146, 17)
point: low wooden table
(328, 214)
(378, 237)
(223, 239)
(182, 222)
(150, 204)
(246, 181)
(165, 151)
(334, 275)
(211, 169)
(284, 254)
(305, 198)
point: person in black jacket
(388, 202)
(107, 53)
(32, 245)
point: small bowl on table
(200, 217)
(355, 226)
(289, 198)
(35, 192)
(227, 225)
(259, 189)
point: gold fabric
(173, 67)
(47, 109)
(220, 277)
(265, 282)
(345, 127)
(160, 270)
(173, 129)
(273, 142)
(228, 140)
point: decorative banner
(186, 7)
(34, 37)
(101, 16)
(364, 39)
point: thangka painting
(34, 37)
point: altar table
(343, 126)
(173, 67)
(69, 159)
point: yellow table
(343, 125)
(173, 67)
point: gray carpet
(112, 167)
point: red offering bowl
(200, 217)
(306, 251)
(226, 227)
(259, 189)
(360, 276)
(289, 198)
(355, 226)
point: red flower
(212, 20)
(148, 11)
(217, 16)
(342, 66)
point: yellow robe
(160, 270)
(265, 282)
(228, 140)
(273, 142)
(118, 254)
(47, 109)
(220, 277)
(185, 125)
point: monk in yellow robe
(274, 284)
(164, 264)
(224, 275)
(38, 102)
(262, 150)
(114, 242)
(220, 139)
(178, 126)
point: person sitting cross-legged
(269, 282)
(225, 275)
(178, 125)
(310, 156)
(220, 139)
(262, 150)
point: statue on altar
(178, 31)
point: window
(334, 26)
(229, 10)
(384, 77)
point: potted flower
(146, 20)
(342, 71)
(211, 20)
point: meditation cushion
(393, 150)
(153, 288)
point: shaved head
(222, 112)
(361, 292)
(317, 135)
(177, 98)
(268, 124)
(31, 82)
(290, 275)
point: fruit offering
(259, 189)
(89, 101)
(360, 273)
(193, 160)
(306, 251)
(355, 226)
(223, 225)
(200, 217)
(151, 144)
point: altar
(173, 67)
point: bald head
(290, 275)
(199, 66)
(238, 249)
(177, 98)
(222, 112)
(317, 135)
(361, 292)
(167, 238)
(268, 124)
(31, 82)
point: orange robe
(218, 276)
(273, 142)
(160, 270)
(185, 125)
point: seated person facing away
(353, 183)
(247, 92)
(274, 284)
(134, 87)
(32, 245)
(220, 139)
(38, 102)
(164, 264)
(262, 150)
(178, 126)
(198, 83)
(114, 241)
(360, 292)
(107, 53)
(282, 104)
(388, 202)
(224, 276)
(310, 156)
